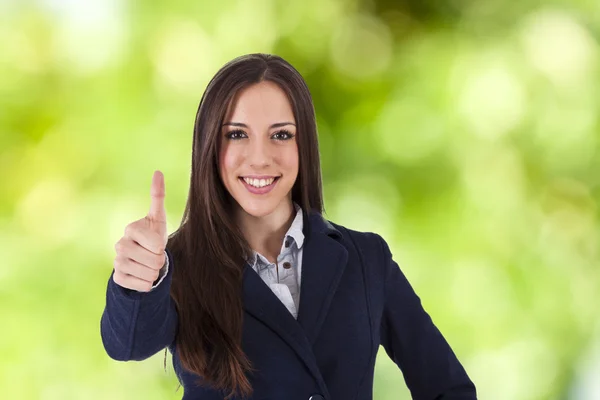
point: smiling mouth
(259, 183)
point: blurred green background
(465, 132)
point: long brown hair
(208, 249)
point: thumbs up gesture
(141, 250)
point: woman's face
(258, 154)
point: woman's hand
(141, 250)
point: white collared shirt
(283, 276)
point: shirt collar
(295, 231)
(294, 234)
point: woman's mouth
(259, 186)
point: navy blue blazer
(353, 298)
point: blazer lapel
(323, 261)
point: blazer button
(287, 265)
(316, 397)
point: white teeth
(259, 182)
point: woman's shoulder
(367, 248)
(365, 241)
(371, 243)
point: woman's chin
(259, 208)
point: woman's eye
(235, 135)
(283, 135)
(240, 134)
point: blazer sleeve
(431, 369)
(136, 325)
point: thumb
(157, 211)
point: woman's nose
(259, 153)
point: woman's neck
(265, 234)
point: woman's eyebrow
(275, 125)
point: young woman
(257, 295)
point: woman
(257, 295)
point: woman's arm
(136, 325)
(430, 367)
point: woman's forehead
(264, 102)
